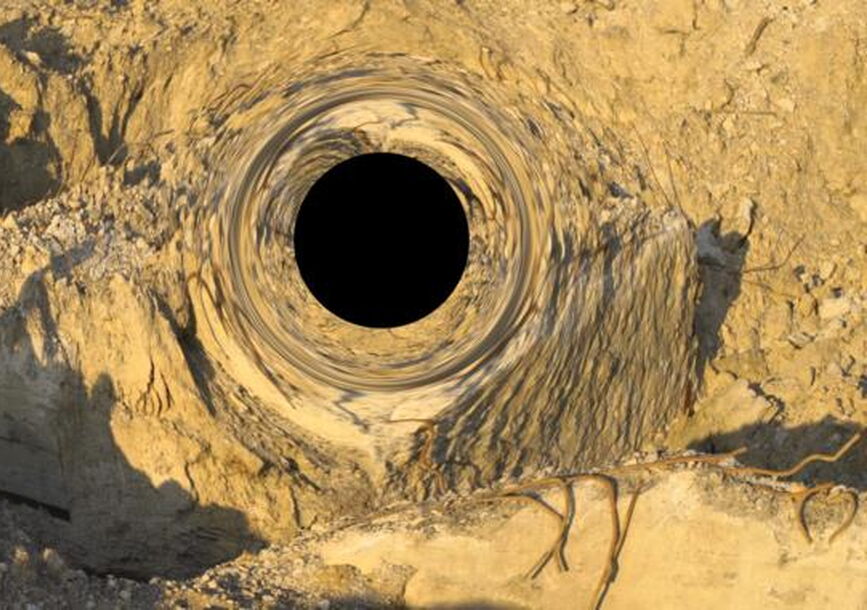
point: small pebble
(53, 561)
(799, 339)
(785, 104)
(20, 556)
(834, 308)
(834, 370)
(78, 575)
(745, 217)
(10, 223)
(826, 270)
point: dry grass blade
(757, 34)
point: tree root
(603, 586)
(618, 532)
(814, 457)
(803, 496)
(425, 454)
(850, 517)
(556, 547)
(606, 478)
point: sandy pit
(646, 391)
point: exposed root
(568, 519)
(815, 457)
(611, 559)
(609, 576)
(849, 518)
(425, 455)
(525, 492)
(618, 533)
(757, 34)
(774, 266)
(802, 497)
(626, 523)
(717, 460)
(558, 549)
(556, 546)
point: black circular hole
(381, 240)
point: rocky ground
(748, 116)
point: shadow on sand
(58, 453)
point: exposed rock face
(614, 368)
(659, 195)
(120, 443)
(150, 390)
(110, 415)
